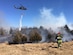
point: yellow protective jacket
(59, 38)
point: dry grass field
(36, 49)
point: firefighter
(59, 39)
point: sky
(47, 13)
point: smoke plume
(48, 20)
(3, 22)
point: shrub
(23, 38)
(2, 31)
(51, 37)
(11, 31)
(35, 36)
(19, 38)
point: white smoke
(70, 25)
(66, 36)
(3, 22)
(48, 19)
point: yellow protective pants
(59, 43)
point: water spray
(20, 24)
(20, 8)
